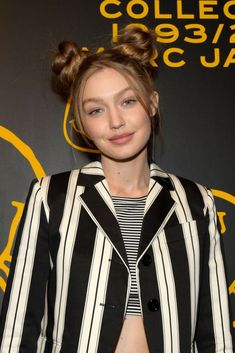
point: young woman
(118, 256)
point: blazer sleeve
(24, 299)
(213, 332)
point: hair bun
(65, 65)
(137, 43)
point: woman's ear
(154, 103)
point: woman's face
(113, 118)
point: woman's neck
(127, 178)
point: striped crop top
(130, 212)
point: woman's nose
(116, 119)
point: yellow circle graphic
(66, 135)
(28, 154)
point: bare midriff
(132, 338)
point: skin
(120, 127)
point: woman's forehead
(105, 82)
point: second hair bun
(136, 43)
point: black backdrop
(195, 82)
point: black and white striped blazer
(69, 281)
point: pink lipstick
(121, 139)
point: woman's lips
(121, 139)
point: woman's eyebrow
(100, 99)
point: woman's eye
(95, 111)
(129, 101)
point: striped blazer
(69, 281)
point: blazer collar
(93, 172)
(98, 203)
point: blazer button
(153, 305)
(146, 260)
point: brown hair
(130, 55)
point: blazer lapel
(158, 210)
(98, 203)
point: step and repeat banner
(196, 78)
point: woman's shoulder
(56, 183)
(174, 180)
(93, 168)
(183, 188)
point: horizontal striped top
(130, 212)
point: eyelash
(129, 101)
(95, 111)
(125, 102)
